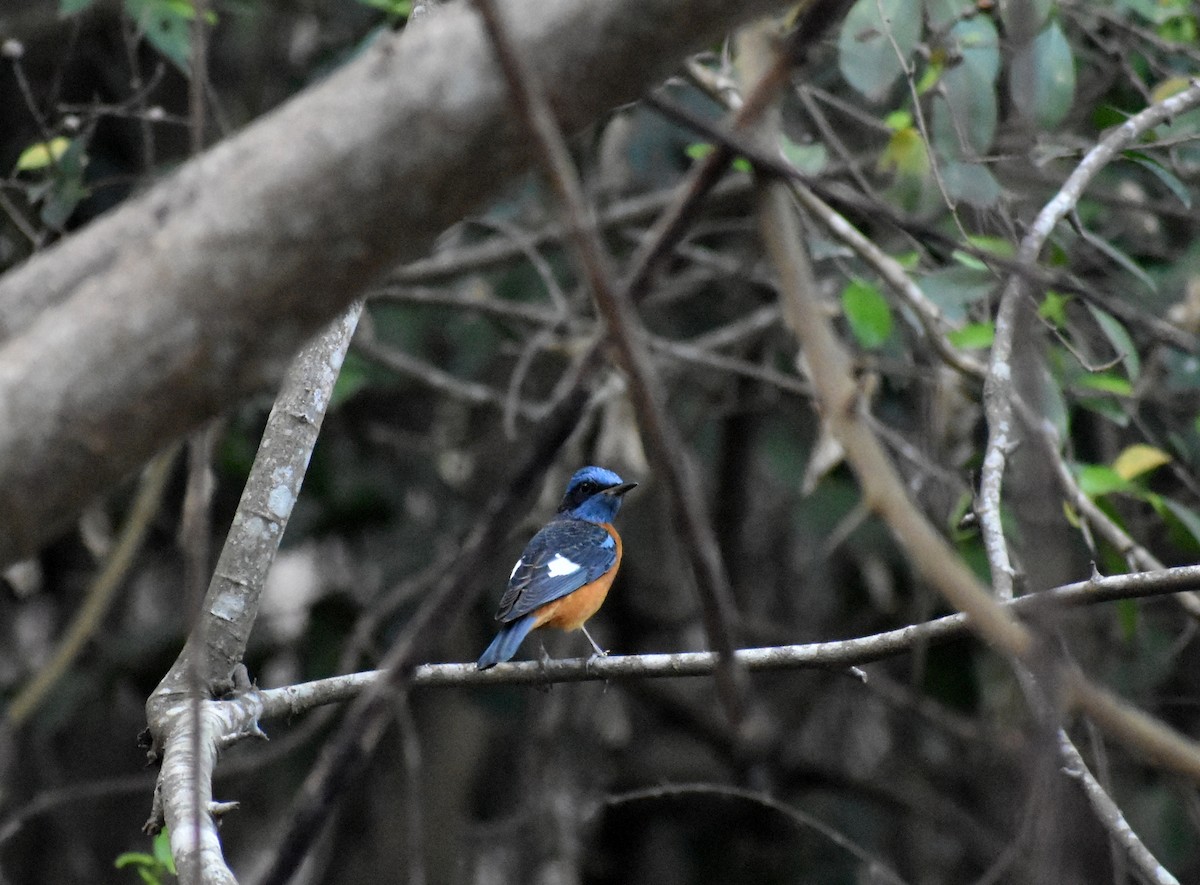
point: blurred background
(929, 767)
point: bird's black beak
(618, 491)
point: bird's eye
(588, 488)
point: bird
(564, 574)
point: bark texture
(197, 293)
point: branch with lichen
(210, 662)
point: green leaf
(1054, 405)
(1105, 408)
(1168, 178)
(1053, 309)
(162, 850)
(134, 857)
(1183, 523)
(1042, 78)
(1119, 257)
(1107, 382)
(965, 112)
(964, 115)
(1156, 12)
(931, 76)
(868, 41)
(1120, 340)
(42, 154)
(905, 154)
(167, 26)
(944, 12)
(808, 158)
(959, 528)
(971, 183)
(741, 164)
(394, 8)
(699, 150)
(966, 259)
(955, 289)
(997, 246)
(1186, 516)
(1023, 19)
(62, 191)
(1099, 479)
(973, 336)
(869, 314)
(976, 41)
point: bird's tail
(506, 643)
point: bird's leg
(600, 653)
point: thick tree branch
(195, 294)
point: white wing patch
(513, 574)
(560, 565)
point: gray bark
(197, 293)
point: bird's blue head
(594, 494)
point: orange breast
(570, 612)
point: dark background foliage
(929, 763)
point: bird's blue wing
(564, 556)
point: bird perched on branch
(564, 574)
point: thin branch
(700, 356)
(877, 870)
(103, 589)
(836, 193)
(440, 380)
(698, 351)
(672, 459)
(362, 726)
(1155, 743)
(1110, 817)
(501, 308)
(841, 406)
(1130, 550)
(497, 251)
(414, 821)
(918, 109)
(290, 701)
(668, 229)
(998, 389)
(928, 313)
(553, 290)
